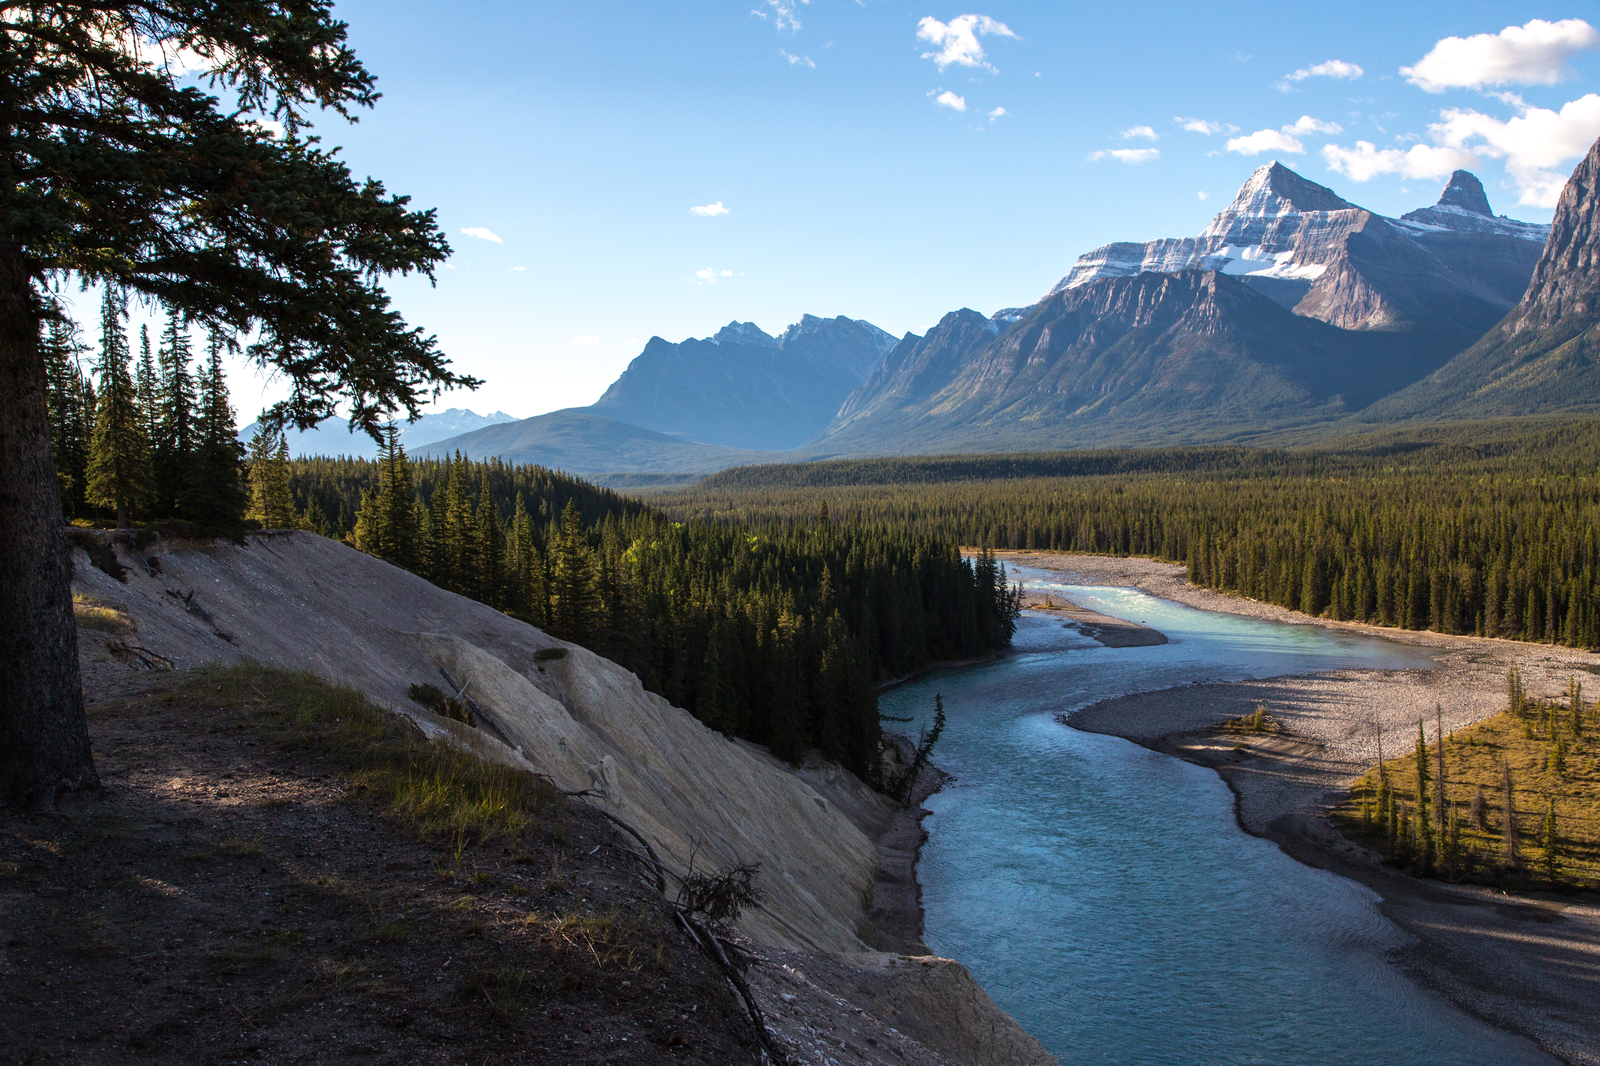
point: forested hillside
(1481, 529)
(779, 636)
(776, 636)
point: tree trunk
(44, 736)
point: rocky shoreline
(1529, 964)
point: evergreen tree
(491, 540)
(572, 579)
(1509, 856)
(1440, 798)
(524, 568)
(72, 406)
(1423, 837)
(395, 538)
(214, 495)
(316, 521)
(119, 452)
(369, 521)
(175, 434)
(121, 173)
(457, 531)
(147, 385)
(270, 501)
(430, 544)
(1548, 838)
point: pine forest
(1492, 530)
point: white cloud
(1307, 124)
(1285, 139)
(584, 341)
(957, 40)
(950, 100)
(1366, 161)
(710, 275)
(270, 126)
(1333, 68)
(517, 270)
(482, 233)
(998, 113)
(1139, 131)
(1127, 155)
(1532, 54)
(1538, 145)
(709, 210)
(727, 273)
(783, 14)
(1206, 126)
(803, 61)
(1203, 195)
(1265, 141)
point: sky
(608, 172)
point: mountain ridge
(1294, 307)
(742, 387)
(1543, 357)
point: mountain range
(1295, 314)
(332, 436)
(1541, 358)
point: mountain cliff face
(744, 388)
(1452, 267)
(1542, 357)
(1294, 306)
(1158, 357)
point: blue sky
(580, 136)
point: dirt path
(1530, 964)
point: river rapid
(1104, 894)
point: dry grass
(91, 614)
(609, 939)
(1260, 722)
(1474, 759)
(433, 788)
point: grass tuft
(91, 614)
(429, 786)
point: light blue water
(1104, 894)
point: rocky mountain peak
(1566, 280)
(1465, 193)
(1274, 190)
(746, 333)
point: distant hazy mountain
(579, 441)
(333, 436)
(745, 389)
(1542, 358)
(1294, 307)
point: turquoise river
(1105, 895)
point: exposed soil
(228, 901)
(894, 921)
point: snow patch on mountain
(1281, 226)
